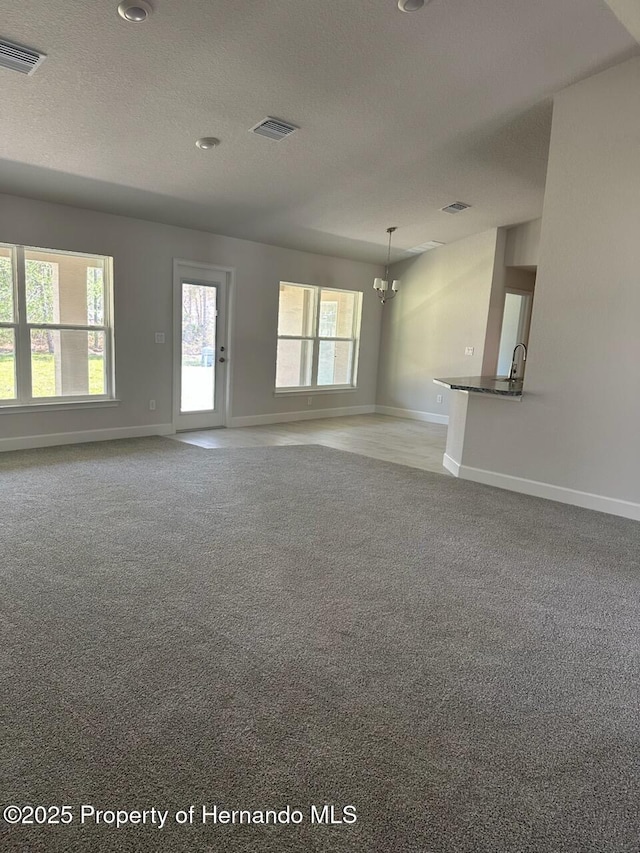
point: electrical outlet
(439, 398)
(152, 405)
(309, 401)
(469, 350)
(159, 337)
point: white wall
(441, 308)
(578, 425)
(143, 256)
(523, 244)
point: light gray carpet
(271, 626)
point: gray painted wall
(143, 261)
(441, 308)
(578, 425)
(523, 244)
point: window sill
(56, 406)
(311, 392)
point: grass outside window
(43, 376)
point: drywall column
(496, 308)
(576, 429)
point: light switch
(469, 350)
(159, 337)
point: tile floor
(413, 443)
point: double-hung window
(56, 330)
(318, 337)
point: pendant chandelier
(381, 285)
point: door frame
(224, 330)
(524, 320)
(524, 326)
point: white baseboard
(451, 465)
(413, 414)
(306, 415)
(600, 503)
(29, 442)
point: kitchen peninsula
(484, 385)
(489, 386)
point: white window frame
(22, 336)
(316, 338)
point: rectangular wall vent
(274, 128)
(424, 247)
(21, 59)
(456, 207)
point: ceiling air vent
(456, 207)
(274, 128)
(17, 58)
(424, 247)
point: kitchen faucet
(514, 363)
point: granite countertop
(484, 385)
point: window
(56, 337)
(318, 330)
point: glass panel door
(200, 347)
(199, 342)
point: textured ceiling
(400, 114)
(628, 12)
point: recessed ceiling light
(410, 5)
(135, 11)
(207, 142)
